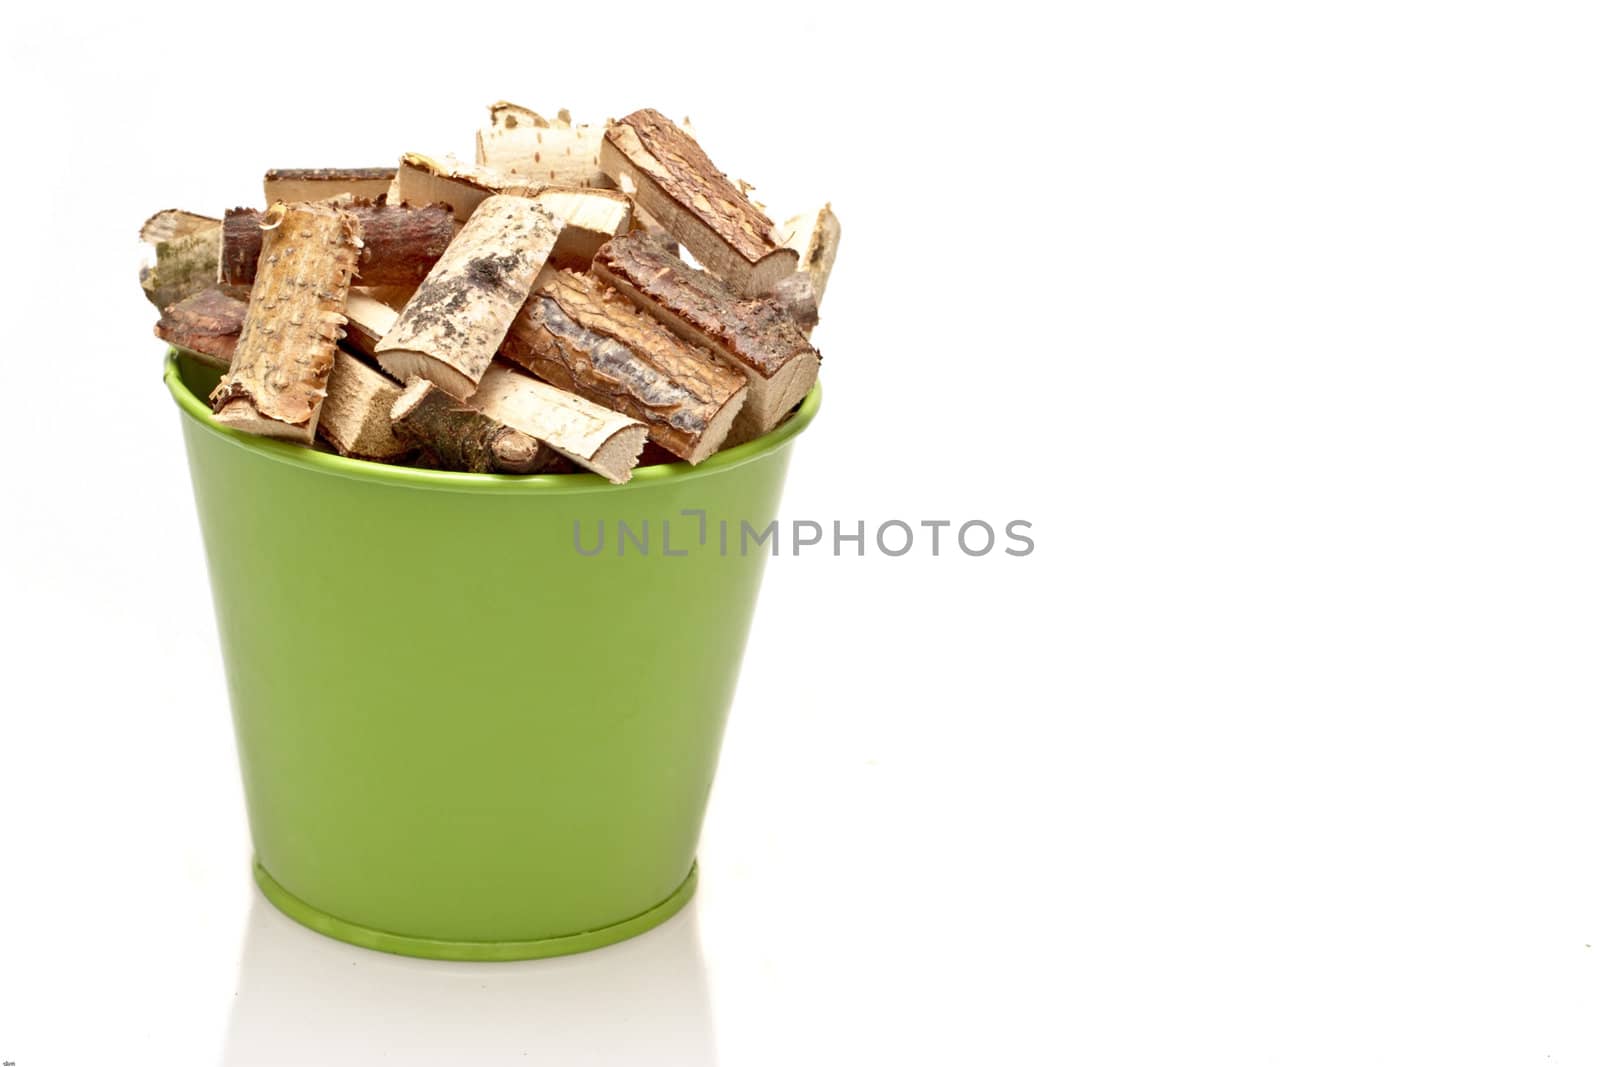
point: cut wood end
(173, 223)
(354, 416)
(415, 392)
(616, 458)
(517, 453)
(461, 437)
(369, 320)
(187, 249)
(594, 437)
(405, 364)
(771, 269)
(716, 432)
(772, 398)
(242, 415)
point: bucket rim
(456, 481)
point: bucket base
(429, 948)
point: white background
(1278, 321)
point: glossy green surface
(476, 951)
(457, 733)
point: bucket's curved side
(457, 721)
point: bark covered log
(462, 438)
(321, 183)
(450, 329)
(757, 336)
(399, 245)
(279, 374)
(815, 237)
(422, 180)
(594, 437)
(578, 334)
(673, 179)
(206, 324)
(355, 413)
(187, 247)
(798, 298)
(548, 151)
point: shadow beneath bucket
(305, 999)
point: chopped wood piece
(399, 245)
(815, 237)
(323, 182)
(206, 324)
(592, 217)
(173, 223)
(594, 437)
(450, 329)
(796, 296)
(551, 152)
(355, 413)
(369, 320)
(757, 336)
(675, 181)
(280, 367)
(422, 179)
(463, 438)
(187, 247)
(578, 334)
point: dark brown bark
(700, 308)
(756, 335)
(460, 438)
(206, 324)
(399, 244)
(673, 179)
(579, 335)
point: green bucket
(464, 732)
